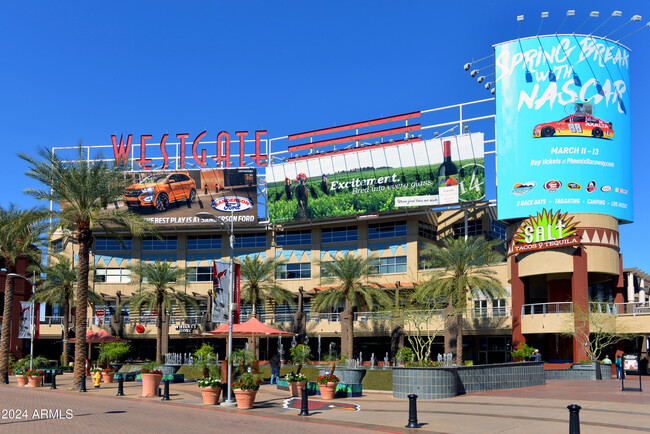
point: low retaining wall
(579, 372)
(437, 383)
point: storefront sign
(185, 328)
(545, 231)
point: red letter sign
(258, 157)
(241, 135)
(182, 136)
(121, 152)
(144, 161)
(203, 151)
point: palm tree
(21, 235)
(58, 288)
(158, 293)
(258, 283)
(463, 271)
(351, 274)
(82, 192)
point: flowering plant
(151, 371)
(19, 371)
(109, 371)
(209, 382)
(35, 373)
(247, 381)
(327, 378)
(93, 370)
(291, 377)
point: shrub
(291, 377)
(247, 381)
(209, 382)
(522, 351)
(327, 378)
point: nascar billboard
(375, 178)
(175, 197)
(563, 126)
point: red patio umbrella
(250, 329)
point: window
(57, 246)
(244, 241)
(167, 243)
(427, 230)
(499, 308)
(424, 262)
(498, 231)
(480, 309)
(323, 272)
(294, 271)
(199, 274)
(109, 244)
(293, 238)
(339, 235)
(395, 264)
(204, 242)
(112, 275)
(474, 229)
(386, 230)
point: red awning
(251, 328)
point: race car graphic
(575, 125)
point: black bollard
(83, 384)
(53, 386)
(166, 393)
(6, 378)
(304, 404)
(413, 412)
(574, 418)
(120, 386)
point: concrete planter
(327, 391)
(150, 384)
(245, 398)
(296, 387)
(210, 395)
(438, 383)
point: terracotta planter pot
(296, 387)
(150, 384)
(328, 391)
(245, 398)
(21, 380)
(108, 377)
(210, 395)
(35, 381)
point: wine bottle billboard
(563, 126)
(447, 177)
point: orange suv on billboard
(161, 189)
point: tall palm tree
(21, 235)
(58, 288)
(463, 271)
(158, 293)
(82, 192)
(350, 274)
(259, 284)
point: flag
(219, 293)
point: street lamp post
(231, 286)
(31, 319)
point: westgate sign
(545, 231)
(121, 151)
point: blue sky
(86, 70)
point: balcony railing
(487, 312)
(546, 308)
(632, 308)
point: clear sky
(86, 70)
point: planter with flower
(327, 384)
(21, 376)
(151, 379)
(35, 377)
(245, 389)
(108, 375)
(296, 383)
(210, 389)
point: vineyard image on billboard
(563, 126)
(378, 178)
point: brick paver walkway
(542, 409)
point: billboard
(563, 126)
(25, 324)
(376, 178)
(176, 197)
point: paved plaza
(542, 409)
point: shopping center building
(387, 187)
